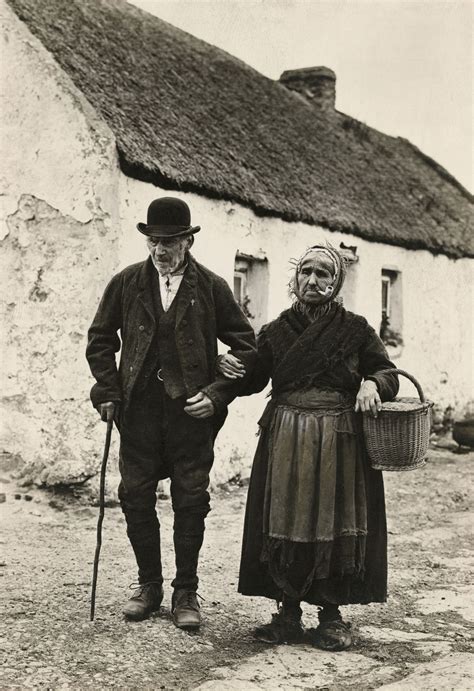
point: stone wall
(67, 223)
(58, 242)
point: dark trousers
(159, 440)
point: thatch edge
(159, 179)
(442, 172)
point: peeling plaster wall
(437, 304)
(59, 244)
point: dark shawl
(336, 351)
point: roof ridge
(442, 172)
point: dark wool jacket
(205, 311)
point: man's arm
(232, 368)
(103, 343)
(233, 329)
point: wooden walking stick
(110, 424)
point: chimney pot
(316, 84)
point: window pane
(238, 288)
(385, 296)
(392, 305)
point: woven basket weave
(397, 439)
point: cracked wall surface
(67, 224)
(49, 264)
(58, 246)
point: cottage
(107, 107)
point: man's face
(315, 273)
(168, 254)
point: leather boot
(188, 536)
(143, 529)
(146, 599)
(185, 608)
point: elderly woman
(315, 528)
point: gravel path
(420, 637)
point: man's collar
(147, 268)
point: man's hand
(199, 406)
(368, 399)
(230, 366)
(107, 411)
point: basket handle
(414, 381)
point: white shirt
(169, 285)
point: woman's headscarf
(339, 272)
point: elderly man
(165, 396)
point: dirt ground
(420, 639)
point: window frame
(241, 276)
(387, 284)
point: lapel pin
(192, 302)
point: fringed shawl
(303, 350)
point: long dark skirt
(361, 587)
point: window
(349, 289)
(391, 324)
(385, 297)
(240, 284)
(251, 287)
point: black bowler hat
(168, 217)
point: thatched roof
(188, 116)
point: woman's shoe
(281, 629)
(332, 635)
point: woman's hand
(368, 399)
(230, 366)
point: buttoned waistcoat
(125, 320)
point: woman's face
(315, 273)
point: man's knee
(189, 489)
(194, 500)
(194, 504)
(137, 503)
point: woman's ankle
(329, 612)
(291, 609)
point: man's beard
(168, 265)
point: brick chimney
(316, 84)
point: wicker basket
(397, 439)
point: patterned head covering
(339, 271)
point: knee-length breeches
(160, 440)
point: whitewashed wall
(437, 302)
(58, 239)
(67, 223)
